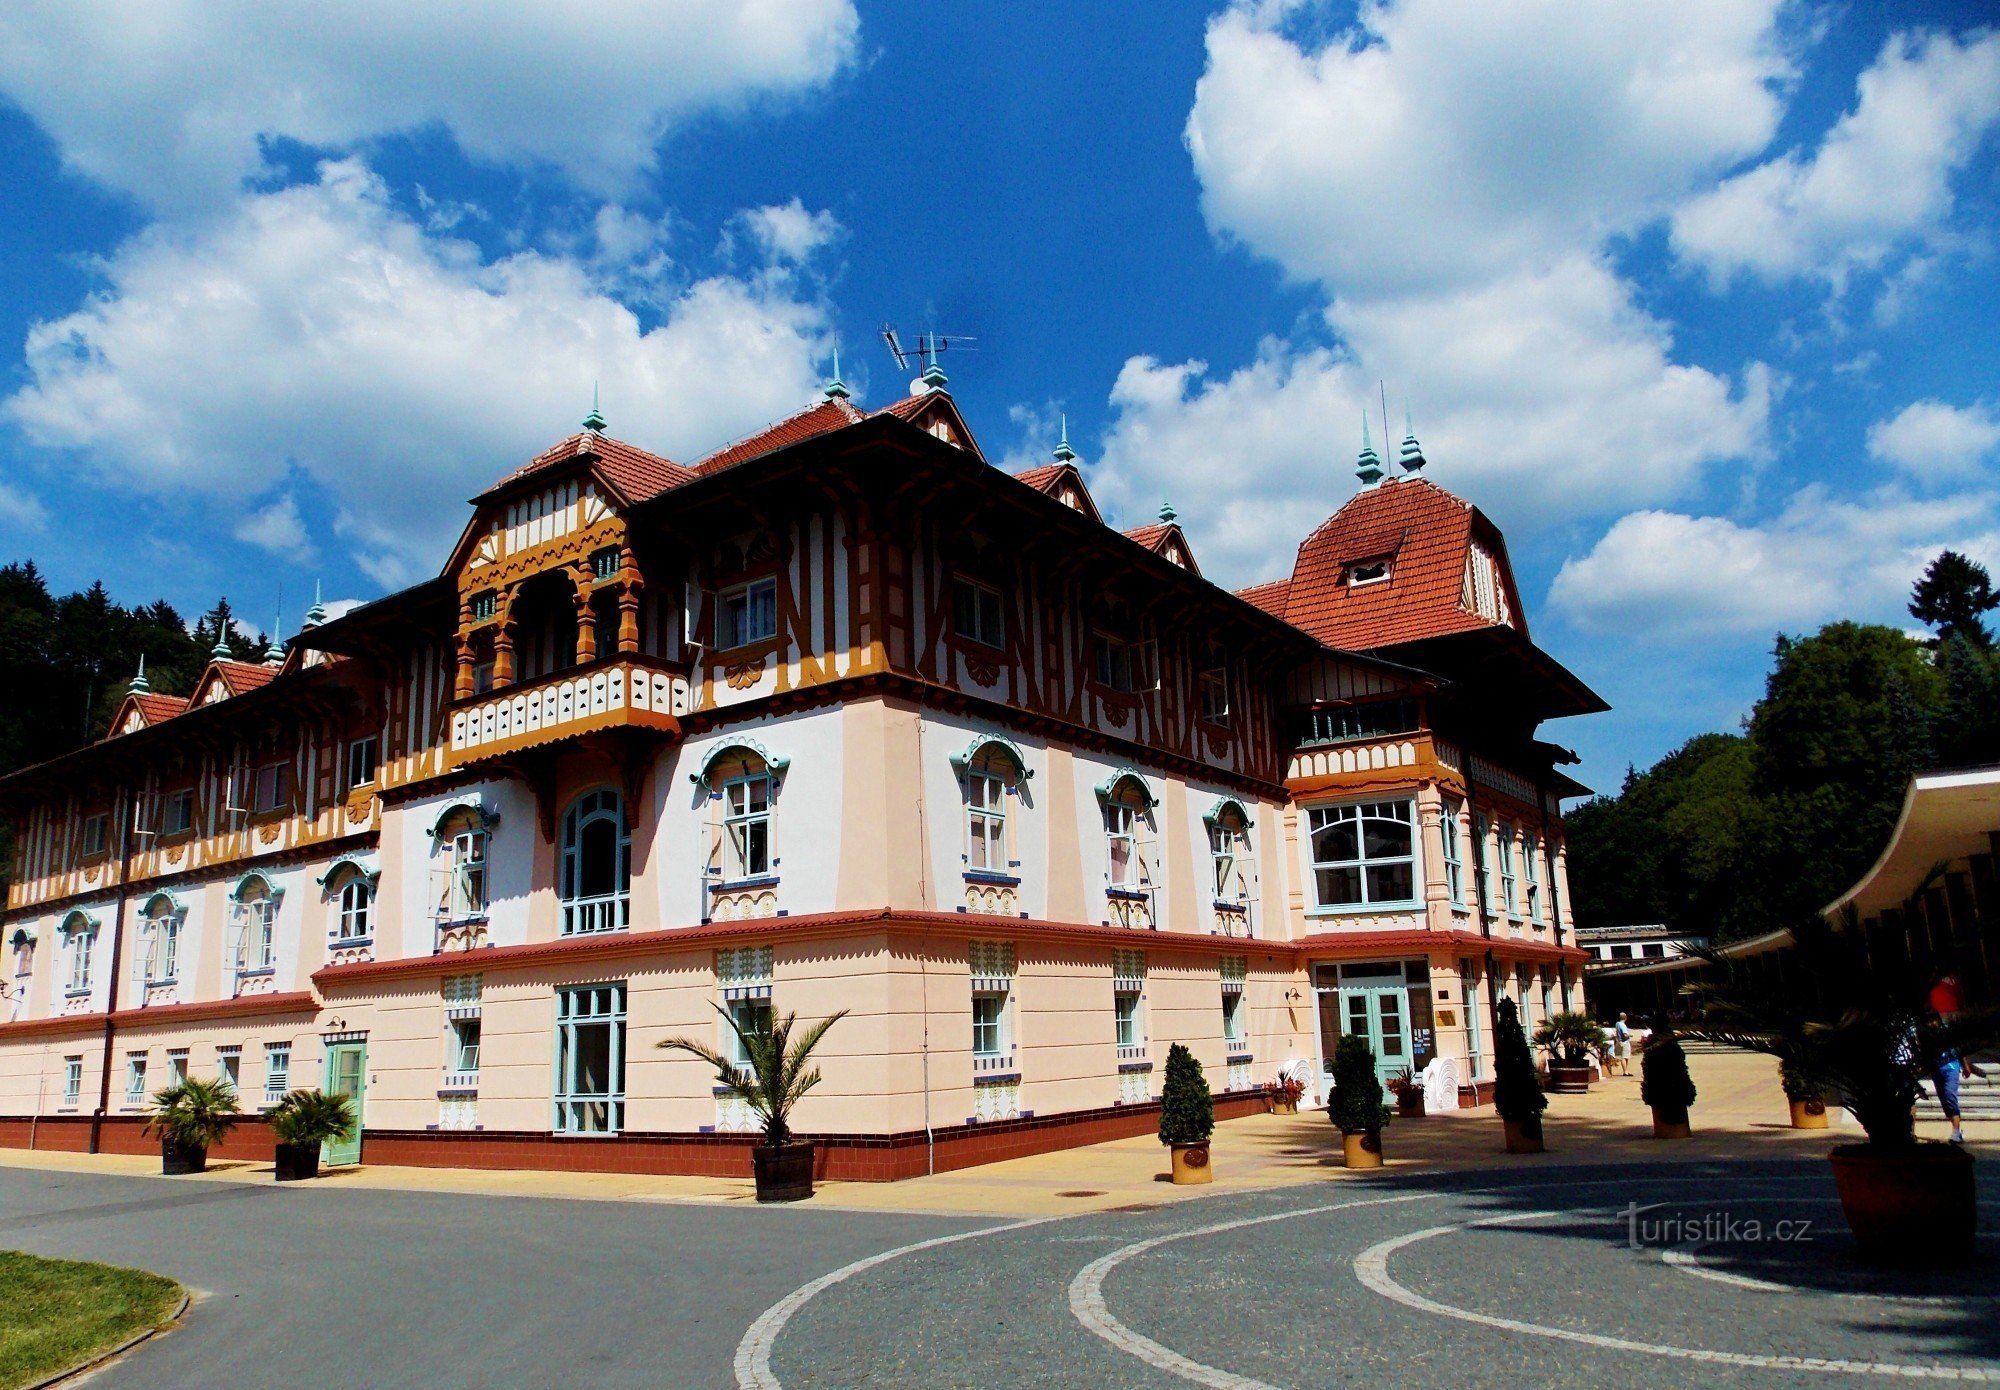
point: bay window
(1363, 854)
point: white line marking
(1371, 1267)
(753, 1353)
(1086, 1296)
(1686, 1259)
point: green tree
(1951, 597)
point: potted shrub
(1805, 1094)
(1285, 1094)
(1517, 1095)
(771, 1082)
(302, 1124)
(191, 1117)
(1187, 1116)
(1571, 1039)
(1665, 1085)
(1409, 1093)
(1858, 1023)
(1356, 1107)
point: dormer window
(1368, 572)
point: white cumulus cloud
(170, 99)
(319, 330)
(1933, 439)
(1673, 578)
(277, 529)
(1880, 178)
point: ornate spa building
(841, 716)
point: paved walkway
(1740, 1112)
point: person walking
(1621, 1045)
(1945, 1077)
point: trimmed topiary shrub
(1187, 1111)
(1664, 1082)
(1517, 1094)
(1356, 1106)
(1800, 1083)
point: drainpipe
(117, 958)
(923, 955)
(1485, 917)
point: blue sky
(1698, 304)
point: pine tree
(1951, 596)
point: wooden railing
(624, 692)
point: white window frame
(1121, 826)
(135, 1078)
(1128, 1004)
(271, 787)
(229, 1067)
(81, 944)
(277, 1071)
(1509, 903)
(1213, 695)
(72, 1080)
(1454, 862)
(590, 1006)
(978, 612)
(1360, 813)
(749, 614)
(986, 820)
(177, 1066)
(177, 813)
(92, 839)
(255, 923)
(746, 828)
(464, 1053)
(1482, 828)
(465, 886)
(1365, 572)
(356, 918)
(1468, 984)
(1531, 856)
(996, 1027)
(369, 746)
(163, 948)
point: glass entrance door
(1380, 1015)
(346, 1075)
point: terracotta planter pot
(1908, 1206)
(1410, 1104)
(1666, 1127)
(297, 1162)
(1569, 1081)
(1362, 1150)
(1284, 1107)
(1809, 1114)
(784, 1173)
(1191, 1163)
(176, 1160)
(1519, 1141)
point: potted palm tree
(1805, 1094)
(1857, 1022)
(1571, 1039)
(1187, 1116)
(771, 1082)
(1517, 1095)
(302, 1124)
(1356, 1106)
(191, 1117)
(1665, 1085)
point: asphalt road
(1529, 1276)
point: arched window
(596, 864)
(79, 937)
(1229, 852)
(357, 908)
(253, 926)
(461, 874)
(161, 931)
(744, 780)
(1128, 831)
(993, 772)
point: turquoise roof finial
(316, 614)
(594, 422)
(1065, 454)
(1368, 467)
(139, 684)
(836, 390)
(1167, 512)
(222, 651)
(1411, 456)
(933, 378)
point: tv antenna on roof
(929, 347)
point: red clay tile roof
(1042, 476)
(242, 677)
(156, 708)
(1271, 596)
(821, 417)
(634, 472)
(1424, 532)
(1152, 537)
(906, 408)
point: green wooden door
(346, 1075)
(1380, 1014)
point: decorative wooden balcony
(620, 693)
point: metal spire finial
(139, 684)
(1167, 512)
(1065, 454)
(316, 614)
(1368, 467)
(222, 651)
(836, 390)
(1411, 456)
(594, 422)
